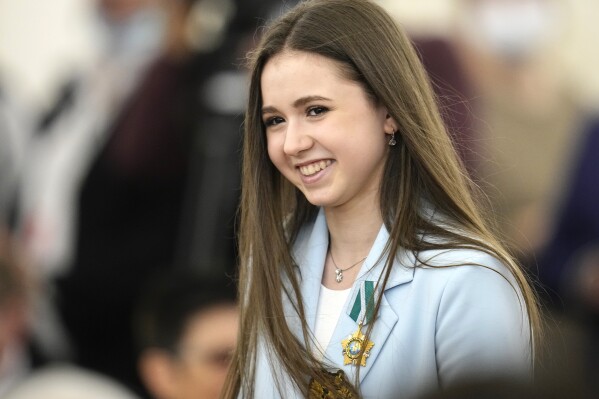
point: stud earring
(392, 140)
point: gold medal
(338, 381)
(352, 346)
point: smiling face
(324, 133)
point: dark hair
(167, 302)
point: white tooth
(308, 170)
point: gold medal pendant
(352, 346)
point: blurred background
(119, 149)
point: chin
(322, 198)
(319, 201)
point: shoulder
(472, 262)
(480, 316)
(470, 286)
(476, 266)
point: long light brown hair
(372, 50)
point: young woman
(367, 269)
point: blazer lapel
(401, 273)
(346, 326)
(310, 255)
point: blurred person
(186, 332)
(70, 135)
(135, 171)
(222, 99)
(90, 326)
(19, 378)
(15, 292)
(529, 120)
(569, 262)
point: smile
(309, 170)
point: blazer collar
(403, 264)
(310, 254)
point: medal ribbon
(362, 311)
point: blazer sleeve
(482, 328)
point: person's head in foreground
(344, 145)
(187, 331)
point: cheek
(274, 145)
(206, 380)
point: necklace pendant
(339, 275)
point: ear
(390, 125)
(157, 371)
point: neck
(352, 232)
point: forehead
(295, 72)
(289, 58)
(212, 325)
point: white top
(330, 305)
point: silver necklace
(339, 271)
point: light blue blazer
(436, 326)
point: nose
(296, 140)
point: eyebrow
(297, 103)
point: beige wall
(580, 49)
(577, 51)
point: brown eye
(275, 120)
(316, 111)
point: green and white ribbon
(362, 307)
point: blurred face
(205, 354)
(511, 29)
(199, 368)
(324, 133)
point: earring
(392, 140)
